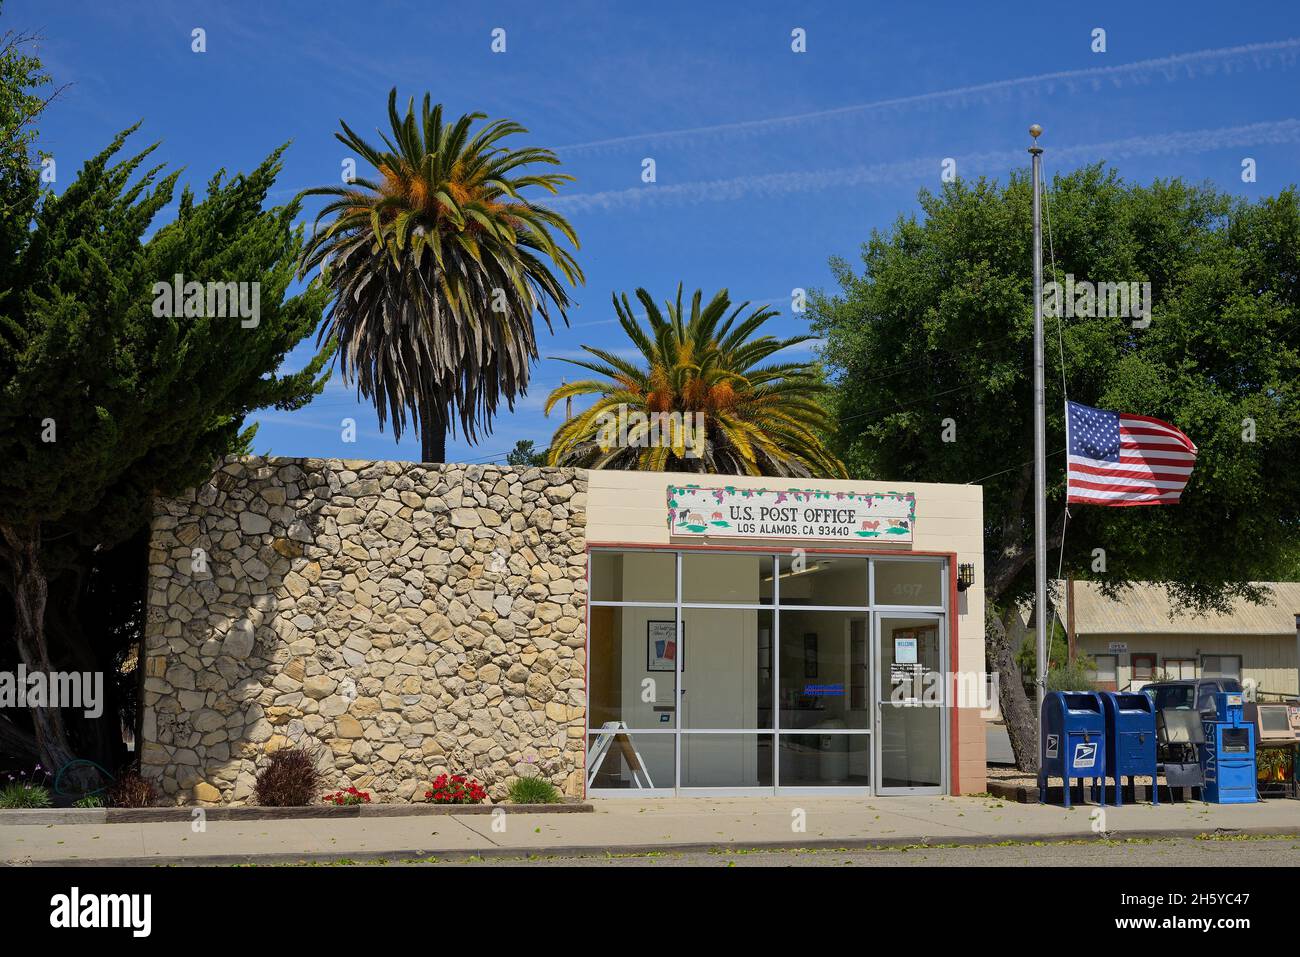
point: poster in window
(662, 649)
(905, 648)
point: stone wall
(403, 620)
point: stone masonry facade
(400, 620)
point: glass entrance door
(911, 726)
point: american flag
(1115, 459)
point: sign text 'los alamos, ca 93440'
(793, 513)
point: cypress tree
(112, 393)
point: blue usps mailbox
(1074, 740)
(1228, 753)
(1130, 739)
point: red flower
(347, 796)
(455, 789)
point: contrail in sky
(1180, 65)
(926, 170)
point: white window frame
(941, 612)
(1218, 672)
(1095, 673)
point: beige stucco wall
(630, 508)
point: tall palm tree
(437, 267)
(757, 419)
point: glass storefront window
(766, 669)
(620, 759)
(909, 583)
(633, 576)
(825, 760)
(815, 580)
(726, 668)
(726, 760)
(727, 579)
(824, 672)
(631, 675)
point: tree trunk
(433, 432)
(30, 592)
(16, 742)
(98, 739)
(1006, 631)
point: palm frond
(423, 255)
(699, 358)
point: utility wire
(1051, 455)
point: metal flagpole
(1040, 450)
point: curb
(155, 815)
(398, 855)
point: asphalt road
(1166, 852)
(997, 745)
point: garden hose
(78, 762)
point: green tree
(1062, 673)
(757, 419)
(938, 326)
(525, 452)
(22, 80)
(437, 268)
(110, 396)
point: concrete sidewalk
(631, 826)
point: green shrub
(1072, 676)
(24, 794)
(89, 800)
(533, 790)
(1062, 674)
(25, 790)
(290, 779)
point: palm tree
(757, 419)
(437, 268)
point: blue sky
(768, 161)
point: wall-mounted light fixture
(965, 576)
